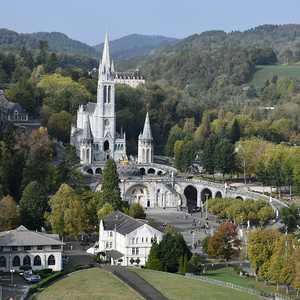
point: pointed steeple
(87, 133)
(105, 54)
(147, 135)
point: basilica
(94, 135)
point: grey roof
(147, 134)
(122, 223)
(90, 107)
(21, 236)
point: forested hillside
(123, 48)
(135, 45)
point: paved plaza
(193, 227)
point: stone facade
(94, 135)
(127, 241)
(22, 247)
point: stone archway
(138, 194)
(205, 195)
(98, 171)
(239, 198)
(142, 171)
(106, 146)
(151, 171)
(190, 193)
(90, 171)
(218, 195)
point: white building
(127, 241)
(145, 144)
(133, 79)
(94, 135)
(22, 247)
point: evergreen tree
(225, 156)
(235, 131)
(153, 261)
(110, 191)
(33, 205)
(208, 155)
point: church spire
(147, 134)
(105, 65)
(105, 54)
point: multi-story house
(126, 241)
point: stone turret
(145, 144)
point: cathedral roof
(90, 107)
(147, 134)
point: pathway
(136, 282)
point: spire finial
(105, 54)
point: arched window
(51, 260)
(106, 146)
(109, 94)
(143, 155)
(2, 262)
(37, 261)
(105, 94)
(88, 155)
(147, 155)
(26, 261)
(16, 261)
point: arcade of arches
(194, 199)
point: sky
(88, 20)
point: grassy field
(229, 275)
(265, 73)
(177, 287)
(96, 284)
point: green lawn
(96, 284)
(177, 287)
(229, 275)
(265, 73)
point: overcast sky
(87, 20)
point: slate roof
(21, 236)
(8, 105)
(147, 134)
(124, 224)
(90, 107)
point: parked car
(30, 277)
(34, 278)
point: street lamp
(12, 276)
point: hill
(216, 58)
(126, 47)
(134, 45)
